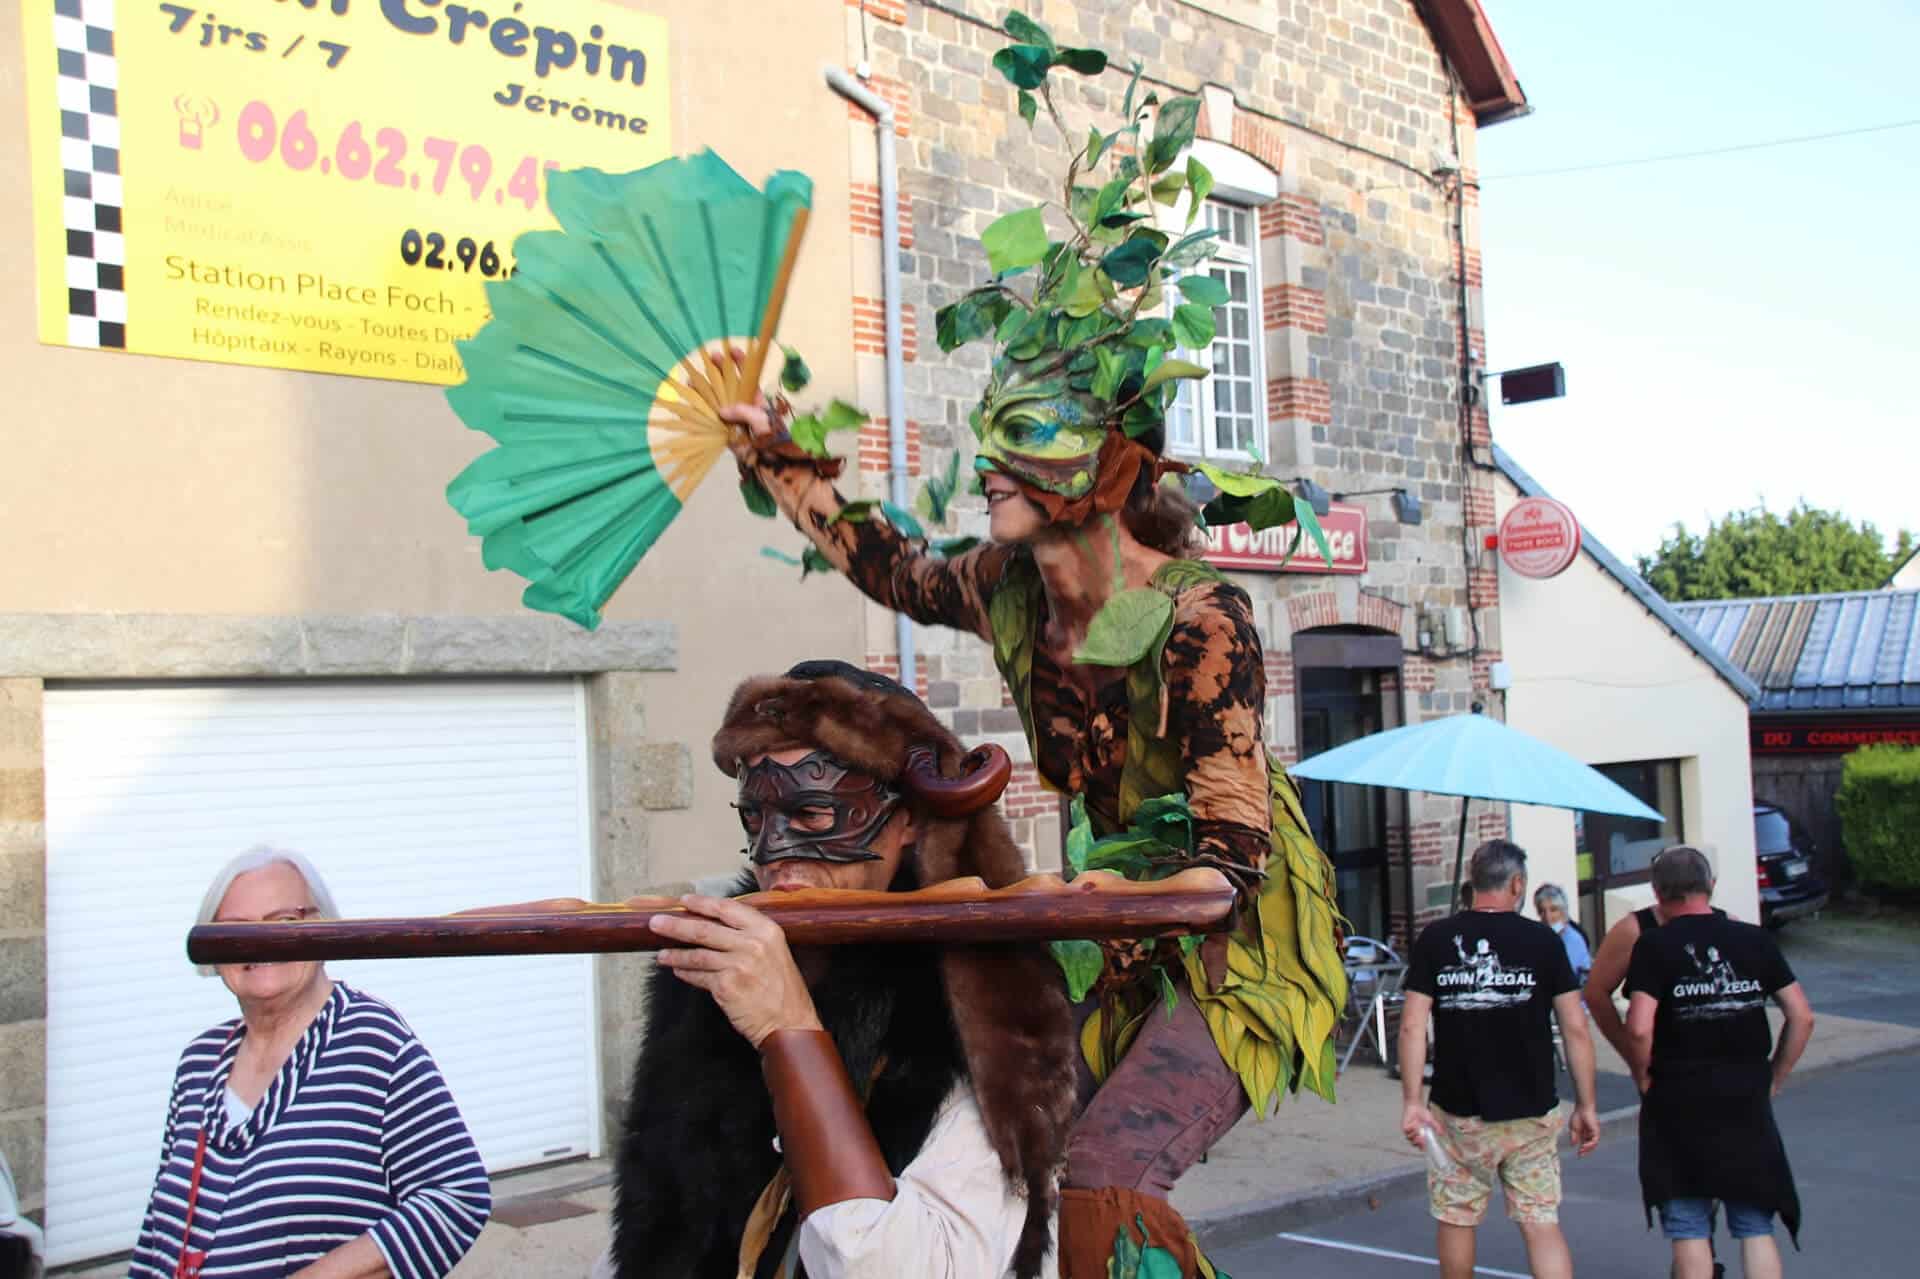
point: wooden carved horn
(984, 773)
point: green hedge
(1879, 806)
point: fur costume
(697, 1144)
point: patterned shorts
(1522, 1153)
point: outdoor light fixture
(1406, 506)
(1313, 495)
(1535, 382)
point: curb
(1264, 1218)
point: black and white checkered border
(89, 86)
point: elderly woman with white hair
(312, 1136)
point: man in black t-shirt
(1703, 1052)
(1492, 980)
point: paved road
(1857, 967)
(1848, 1130)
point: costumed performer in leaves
(889, 1110)
(1135, 667)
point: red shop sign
(1834, 736)
(1539, 538)
(1238, 547)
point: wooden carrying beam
(1041, 908)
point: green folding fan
(610, 353)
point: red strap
(190, 1260)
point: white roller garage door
(410, 797)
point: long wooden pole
(1042, 908)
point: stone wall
(1352, 112)
(23, 939)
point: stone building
(236, 608)
(1342, 137)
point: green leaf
(1303, 511)
(1200, 182)
(937, 493)
(1128, 626)
(1150, 332)
(858, 511)
(1079, 833)
(1128, 265)
(1084, 61)
(1167, 190)
(1126, 104)
(1169, 819)
(1024, 66)
(1203, 290)
(1082, 962)
(1112, 366)
(769, 552)
(810, 431)
(758, 500)
(1029, 107)
(1126, 1254)
(1017, 240)
(1172, 132)
(1096, 146)
(1191, 250)
(1026, 30)
(1169, 370)
(1170, 1000)
(794, 373)
(950, 548)
(1193, 325)
(901, 518)
(973, 317)
(1086, 296)
(1158, 1263)
(812, 561)
(1259, 501)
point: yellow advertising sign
(314, 184)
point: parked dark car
(1790, 887)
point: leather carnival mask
(815, 809)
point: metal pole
(1460, 852)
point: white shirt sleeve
(952, 1215)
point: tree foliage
(1755, 553)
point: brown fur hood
(1008, 1002)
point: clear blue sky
(1735, 329)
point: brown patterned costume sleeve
(884, 565)
(1216, 694)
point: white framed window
(1225, 415)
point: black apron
(1707, 1131)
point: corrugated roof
(1631, 582)
(1851, 650)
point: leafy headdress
(1085, 362)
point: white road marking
(1391, 1255)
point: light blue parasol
(1474, 757)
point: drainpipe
(882, 112)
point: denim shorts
(1693, 1219)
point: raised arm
(885, 566)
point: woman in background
(311, 1136)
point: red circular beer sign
(1539, 538)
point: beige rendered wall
(137, 484)
(1598, 676)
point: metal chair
(1374, 975)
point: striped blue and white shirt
(357, 1134)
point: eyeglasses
(293, 915)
